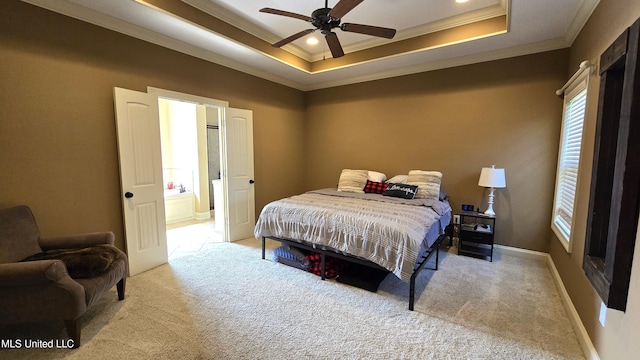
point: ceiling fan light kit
(326, 19)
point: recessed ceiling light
(461, 1)
(312, 41)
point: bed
(371, 228)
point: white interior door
(140, 157)
(237, 172)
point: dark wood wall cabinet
(615, 181)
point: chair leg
(121, 287)
(73, 331)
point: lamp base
(489, 210)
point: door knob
(251, 181)
(128, 195)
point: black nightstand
(476, 234)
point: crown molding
(584, 13)
(91, 16)
(96, 18)
(440, 25)
(245, 25)
(490, 55)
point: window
(575, 102)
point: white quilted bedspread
(390, 232)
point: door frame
(204, 101)
(175, 95)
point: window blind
(569, 159)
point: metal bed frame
(422, 259)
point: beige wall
(455, 121)
(618, 339)
(58, 150)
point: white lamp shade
(492, 178)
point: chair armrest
(32, 273)
(39, 290)
(77, 241)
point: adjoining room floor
(186, 238)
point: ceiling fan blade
(334, 45)
(285, 13)
(369, 30)
(293, 37)
(343, 7)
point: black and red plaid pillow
(375, 187)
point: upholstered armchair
(55, 278)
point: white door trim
(175, 95)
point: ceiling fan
(325, 19)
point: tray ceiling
(430, 35)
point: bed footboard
(422, 260)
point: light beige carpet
(227, 303)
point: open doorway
(191, 158)
(236, 160)
(141, 177)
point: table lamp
(492, 178)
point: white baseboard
(581, 333)
(521, 253)
(203, 215)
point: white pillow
(353, 180)
(428, 183)
(376, 176)
(398, 179)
